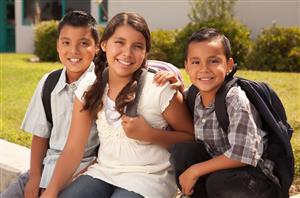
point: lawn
(19, 78)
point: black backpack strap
(48, 87)
(190, 96)
(220, 103)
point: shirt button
(203, 120)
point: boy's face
(76, 49)
(207, 66)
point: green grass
(19, 78)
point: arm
(73, 151)
(190, 176)
(176, 114)
(39, 148)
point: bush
(237, 33)
(162, 45)
(276, 49)
(45, 40)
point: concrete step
(14, 160)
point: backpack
(274, 122)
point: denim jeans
(16, 189)
(244, 182)
(87, 186)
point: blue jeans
(87, 186)
(244, 182)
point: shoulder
(236, 98)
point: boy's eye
(195, 62)
(214, 61)
(65, 42)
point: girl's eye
(119, 42)
(85, 44)
(139, 46)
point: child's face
(207, 66)
(76, 49)
(125, 51)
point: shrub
(45, 40)
(276, 49)
(162, 45)
(237, 33)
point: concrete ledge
(14, 160)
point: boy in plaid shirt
(221, 164)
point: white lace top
(127, 163)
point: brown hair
(93, 97)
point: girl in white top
(133, 160)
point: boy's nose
(74, 49)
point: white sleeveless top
(127, 163)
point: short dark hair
(208, 34)
(78, 18)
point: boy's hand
(136, 128)
(187, 181)
(32, 188)
(162, 77)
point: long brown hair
(93, 97)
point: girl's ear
(103, 46)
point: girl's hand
(187, 181)
(162, 77)
(136, 128)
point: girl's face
(125, 51)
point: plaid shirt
(244, 141)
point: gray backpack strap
(131, 109)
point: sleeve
(165, 96)
(84, 85)
(35, 120)
(244, 136)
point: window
(103, 11)
(42, 10)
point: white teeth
(75, 60)
(205, 78)
(124, 62)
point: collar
(199, 102)
(62, 82)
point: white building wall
(24, 33)
(173, 14)
(165, 14)
(259, 14)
